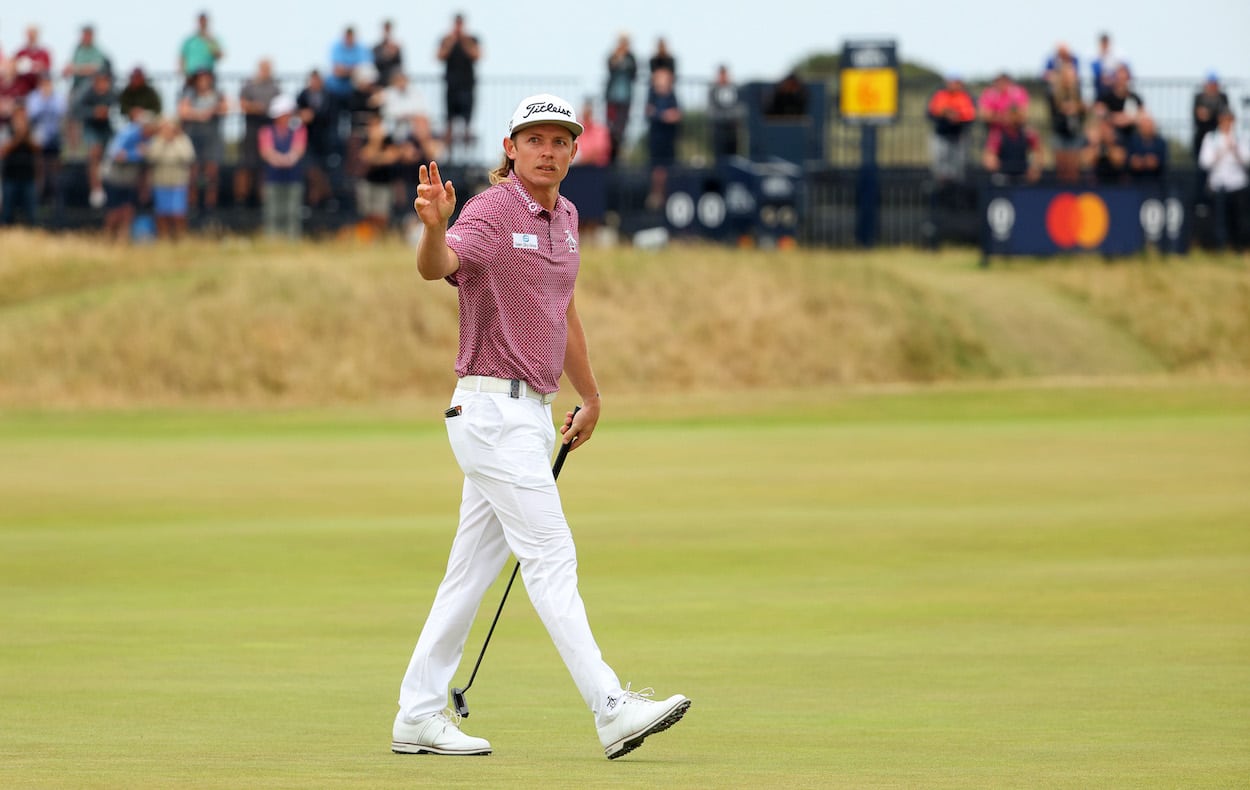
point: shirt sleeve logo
(524, 241)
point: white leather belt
(512, 387)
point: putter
(457, 694)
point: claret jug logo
(1077, 220)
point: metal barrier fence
(911, 213)
(904, 144)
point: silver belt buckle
(515, 391)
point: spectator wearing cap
(255, 98)
(201, 108)
(282, 148)
(366, 97)
(200, 51)
(170, 155)
(1209, 101)
(952, 112)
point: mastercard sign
(1040, 221)
(1077, 220)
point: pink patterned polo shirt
(518, 265)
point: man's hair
(501, 173)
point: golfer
(513, 255)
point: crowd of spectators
(357, 129)
(357, 123)
(1099, 132)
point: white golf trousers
(510, 503)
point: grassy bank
(253, 323)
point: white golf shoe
(438, 734)
(631, 717)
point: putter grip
(564, 450)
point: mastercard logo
(1077, 220)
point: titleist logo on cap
(546, 106)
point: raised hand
(436, 199)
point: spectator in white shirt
(405, 115)
(1225, 158)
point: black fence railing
(903, 144)
(910, 211)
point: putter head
(458, 704)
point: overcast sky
(757, 40)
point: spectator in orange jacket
(952, 111)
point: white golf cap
(544, 108)
(282, 104)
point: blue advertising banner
(1043, 221)
(742, 198)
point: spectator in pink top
(998, 99)
(594, 145)
(282, 148)
(514, 256)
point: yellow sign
(869, 93)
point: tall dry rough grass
(1194, 318)
(83, 323)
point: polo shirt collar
(532, 205)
